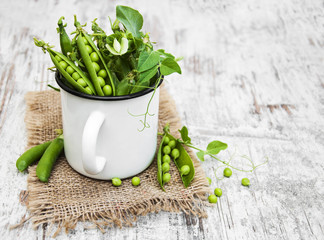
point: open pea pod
(159, 164)
(70, 80)
(183, 159)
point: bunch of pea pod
(121, 63)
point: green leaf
(215, 147)
(164, 54)
(169, 66)
(147, 60)
(123, 88)
(184, 134)
(144, 80)
(201, 155)
(131, 19)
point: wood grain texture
(253, 77)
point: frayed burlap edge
(192, 205)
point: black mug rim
(58, 77)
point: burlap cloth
(69, 197)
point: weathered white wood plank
(252, 77)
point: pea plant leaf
(147, 60)
(215, 147)
(144, 80)
(184, 135)
(201, 155)
(131, 19)
(169, 66)
(164, 54)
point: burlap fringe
(192, 205)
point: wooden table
(253, 76)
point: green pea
(101, 81)
(96, 66)
(166, 150)
(166, 140)
(57, 57)
(209, 180)
(89, 49)
(69, 70)
(218, 192)
(166, 159)
(245, 182)
(172, 144)
(212, 198)
(136, 181)
(116, 182)
(76, 76)
(184, 170)
(165, 167)
(94, 57)
(175, 153)
(227, 172)
(88, 90)
(63, 64)
(166, 177)
(102, 73)
(107, 90)
(82, 82)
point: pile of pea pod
(80, 63)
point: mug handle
(92, 164)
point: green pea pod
(89, 65)
(82, 34)
(66, 75)
(102, 61)
(65, 41)
(46, 163)
(183, 159)
(31, 155)
(159, 164)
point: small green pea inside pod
(160, 176)
(166, 158)
(182, 160)
(165, 167)
(184, 170)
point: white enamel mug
(102, 137)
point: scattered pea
(94, 57)
(166, 140)
(82, 82)
(63, 64)
(245, 182)
(107, 90)
(89, 49)
(116, 182)
(88, 90)
(96, 66)
(209, 180)
(136, 181)
(175, 153)
(101, 81)
(227, 172)
(172, 144)
(166, 159)
(69, 70)
(166, 177)
(76, 76)
(165, 167)
(212, 198)
(218, 192)
(166, 150)
(184, 170)
(57, 57)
